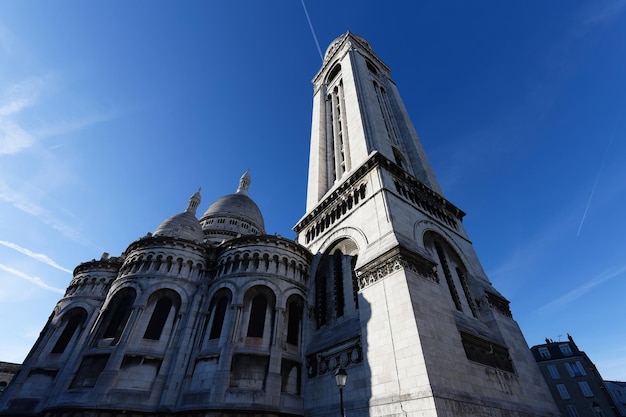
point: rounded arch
(259, 308)
(71, 322)
(265, 282)
(116, 314)
(217, 312)
(294, 310)
(334, 281)
(162, 307)
(333, 73)
(422, 227)
(229, 285)
(356, 235)
(453, 269)
(152, 287)
(371, 66)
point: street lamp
(341, 376)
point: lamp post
(341, 376)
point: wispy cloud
(35, 280)
(21, 95)
(37, 256)
(24, 204)
(581, 290)
(13, 138)
(74, 125)
(604, 13)
(16, 98)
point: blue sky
(113, 113)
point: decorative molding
(487, 352)
(320, 363)
(498, 303)
(398, 258)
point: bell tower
(400, 300)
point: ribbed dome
(334, 44)
(233, 215)
(183, 225)
(237, 206)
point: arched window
(256, 325)
(334, 278)
(338, 278)
(333, 73)
(219, 312)
(159, 317)
(449, 262)
(117, 315)
(446, 271)
(321, 298)
(294, 320)
(72, 320)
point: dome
(334, 44)
(237, 206)
(233, 215)
(183, 225)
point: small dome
(183, 225)
(233, 215)
(334, 44)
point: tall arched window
(72, 320)
(159, 317)
(321, 298)
(117, 315)
(219, 312)
(256, 324)
(334, 278)
(294, 320)
(450, 262)
(446, 271)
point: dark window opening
(291, 377)
(468, 296)
(398, 157)
(72, 324)
(89, 370)
(486, 352)
(446, 271)
(321, 302)
(159, 317)
(256, 325)
(293, 324)
(355, 282)
(218, 318)
(338, 275)
(334, 72)
(118, 318)
(371, 67)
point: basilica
(209, 316)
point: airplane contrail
(595, 184)
(312, 31)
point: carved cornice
(398, 258)
(498, 303)
(328, 360)
(349, 185)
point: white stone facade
(212, 317)
(436, 338)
